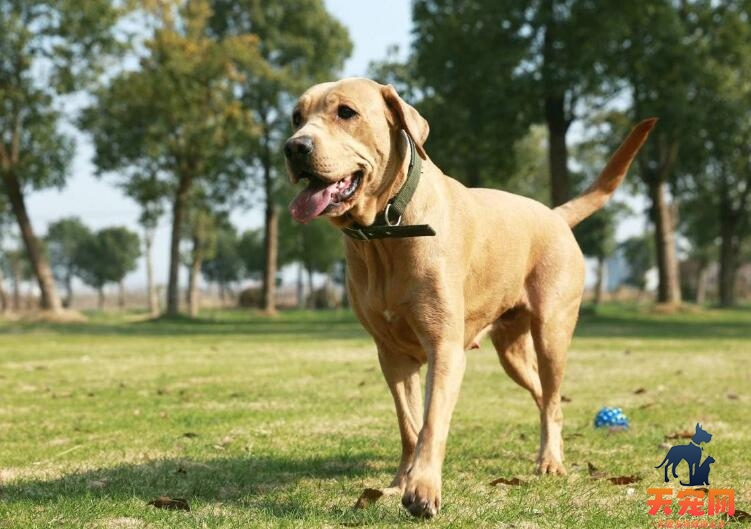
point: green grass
(283, 422)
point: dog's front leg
(402, 374)
(446, 363)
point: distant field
(283, 422)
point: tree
(640, 256)
(48, 48)
(201, 229)
(19, 268)
(250, 249)
(107, 257)
(596, 237)
(226, 266)
(315, 246)
(301, 44)
(64, 240)
(717, 173)
(663, 71)
(482, 101)
(149, 192)
(5, 223)
(176, 117)
(699, 226)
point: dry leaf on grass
(172, 504)
(368, 498)
(624, 480)
(739, 516)
(685, 434)
(503, 481)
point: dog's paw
(422, 495)
(551, 466)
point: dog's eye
(296, 118)
(345, 112)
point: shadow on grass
(631, 324)
(256, 482)
(317, 325)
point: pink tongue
(309, 203)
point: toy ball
(611, 418)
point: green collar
(388, 223)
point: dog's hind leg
(551, 333)
(512, 340)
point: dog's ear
(408, 118)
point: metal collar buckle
(387, 219)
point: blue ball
(611, 418)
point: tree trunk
(300, 287)
(148, 237)
(271, 244)
(40, 266)
(600, 284)
(701, 284)
(668, 288)
(68, 301)
(100, 303)
(121, 294)
(555, 117)
(345, 295)
(728, 257)
(178, 214)
(16, 271)
(555, 107)
(271, 225)
(311, 297)
(4, 305)
(195, 269)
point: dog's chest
(382, 290)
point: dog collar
(388, 223)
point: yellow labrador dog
(433, 266)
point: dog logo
(691, 454)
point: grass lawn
(283, 422)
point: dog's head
(347, 144)
(701, 436)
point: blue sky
(373, 27)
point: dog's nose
(298, 146)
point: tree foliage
(300, 44)
(315, 245)
(639, 254)
(177, 118)
(226, 265)
(108, 256)
(47, 49)
(64, 241)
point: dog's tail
(663, 462)
(576, 210)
